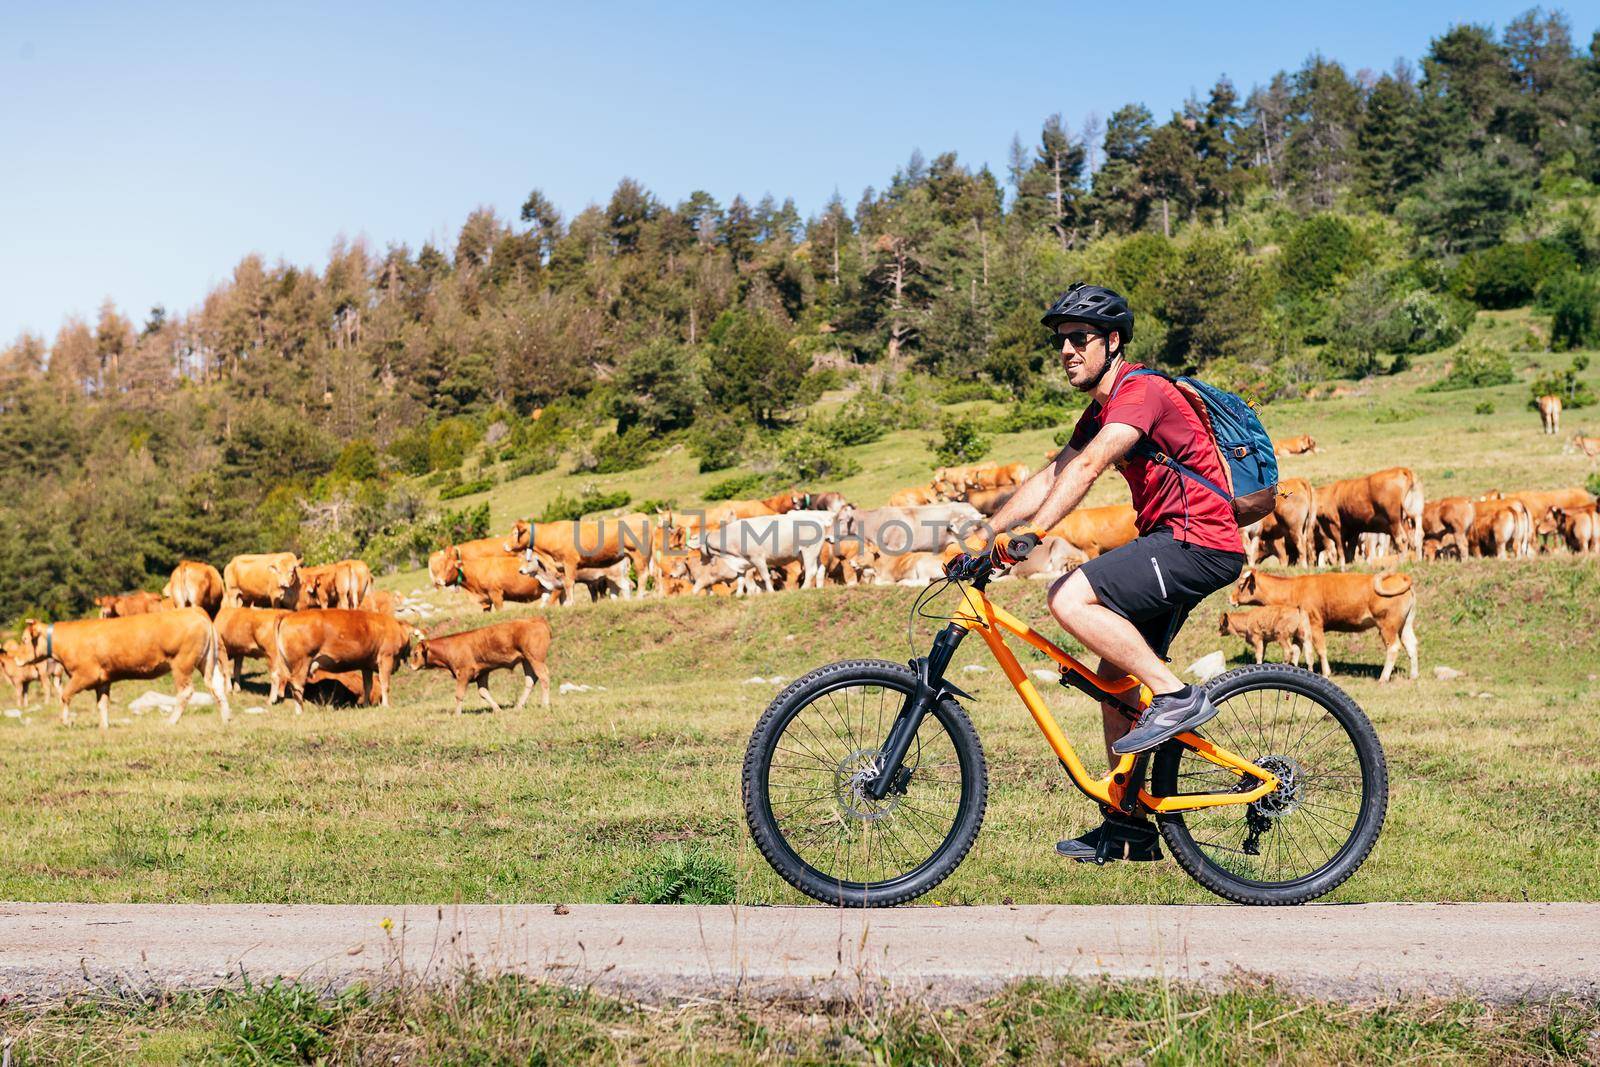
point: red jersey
(1161, 496)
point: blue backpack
(1242, 444)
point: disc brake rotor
(851, 777)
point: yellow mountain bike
(865, 783)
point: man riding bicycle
(1127, 605)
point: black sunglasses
(1078, 339)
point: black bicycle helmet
(1093, 304)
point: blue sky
(144, 149)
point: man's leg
(1114, 638)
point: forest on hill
(1330, 223)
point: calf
(908, 568)
(96, 652)
(829, 501)
(121, 605)
(340, 640)
(1578, 528)
(1589, 446)
(1499, 528)
(1287, 532)
(1447, 527)
(1550, 413)
(195, 585)
(249, 632)
(472, 655)
(916, 496)
(21, 674)
(1342, 602)
(1290, 627)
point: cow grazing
(1294, 446)
(472, 655)
(264, 580)
(1499, 528)
(1550, 413)
(248, 633)
(338, 639)
(1447, 527)
(1589, 446)
(442, 562)
(1290, 627)
(122, 605)
(1096, 531)
(94, 653)
(1389, 501)
(1287, 534)
(195, 585)
(1345, 603)
(496, 579)
(1578, 528)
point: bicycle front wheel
(805, 771)
(1304, 838)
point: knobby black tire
(1363, 834)
(786, 860)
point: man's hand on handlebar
(1007, 551)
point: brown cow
(121, 605)
(1290, 627)
(442, 561)
(1347, 603)
(1498, 527)
(567, 545)
(1288, 532)
(381, 601)
(248, 632)
(21, 674)
(340, 640)
(916, 496)
(786, 501)
(195, 585)
(1579, 528)
(96, 652)
(990, 501)
(956, 482)
(1389, 501)
(1447, 527)
(848, 561)
(494, 580)
(1539, 501)
(1550, 413)
(1589, 446)
(1294, 446)
(473, 654)
(1095, 531)
(264, 580)
(316, 588)
(343, 584)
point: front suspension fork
(930, 689)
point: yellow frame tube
(989, 620)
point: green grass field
(509, 1020)
(1493, 773)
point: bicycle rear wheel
(1315, 830)
(804, 775)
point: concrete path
(1493, 951)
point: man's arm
(1069, 479)
(1029, 495)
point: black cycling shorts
(1156, 580)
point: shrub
(959, 392)
(566, 509)
(531, 461)
(460, 489)
(449, 442)
(804, 455)
(1427, 322)
(624, 452)
(1317, 252)
(1508, 275)
(1483, 407)
(1475, 368)
(1026, 416)
(960, 441)
(864, 418)
(675, 875)
(1593, 484)
(739, 487)
(1573, 301)
(286, 1022)
(717, 441)
(1574, 392)
(410, 451)
(358, 462)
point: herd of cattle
(327, 625)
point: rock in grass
(1208, 666)
(1444, 674)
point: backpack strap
(1146, 449)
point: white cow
(767, 541)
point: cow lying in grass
(472, 655)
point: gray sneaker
(1165, 718)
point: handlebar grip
(1015, 549)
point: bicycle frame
(988, 620)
